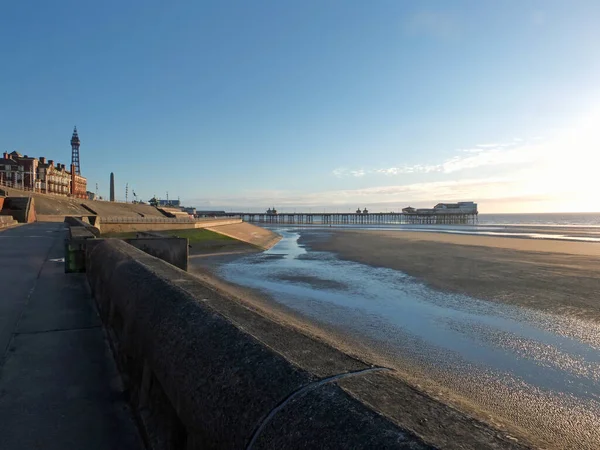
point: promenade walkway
(59, 387)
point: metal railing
(118, 219)
(18, 185)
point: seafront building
(168, 202)
(42, 175)
(444, 208)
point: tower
(112, 187)
(75, 142)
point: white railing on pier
(129, 219)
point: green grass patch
(199, 235)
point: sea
(554, 226)
(544, 219)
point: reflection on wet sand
(513, 365)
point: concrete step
(20, 208)
(6, 218)
(7, 221)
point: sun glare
(567, 169)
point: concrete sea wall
(81, 225)
(128, 224)
(172, 250)
(198, 380)
(50, 217)
(205, 371)
(247, 232)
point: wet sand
(559, 277)
(555, 277)
(431, 404)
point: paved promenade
(59, 387)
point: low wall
(142, 226)
(80, 233)
(50, 217)
(130, 224)
(172, 250)
(200, 381)
(207, 223)
(83, 224)
(205, 372)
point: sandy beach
(371, 313)
(560, 277)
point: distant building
(10, 172)
(456, 208)
(54, 178)
(444, 208)
(190, 210)
(78, 184)
(41, 175)
(174, 203)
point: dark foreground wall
(172, 250)
(81, 225)
(204, 371)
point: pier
(389, 218)
(461, 213)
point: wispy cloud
(494, 145)
(417, 168)
(386, 197)
(341, 172)
(467, 158)
(556, 173)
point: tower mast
(75, 142)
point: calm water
(549, 219)
(543, 219)
(556, 226)
(496, 355)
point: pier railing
(425, 218)
(118, 219)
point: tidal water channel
(538, 371)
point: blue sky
(312, 104)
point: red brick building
(41, 175)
